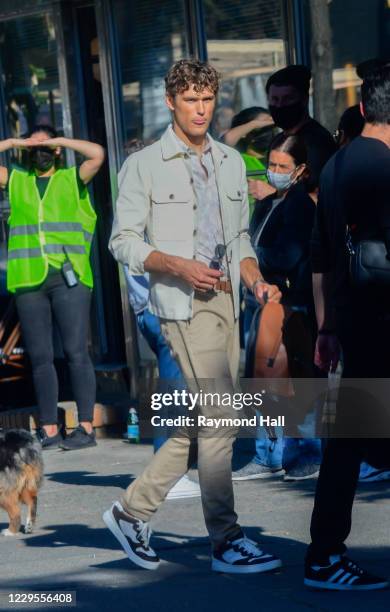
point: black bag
(368, 263)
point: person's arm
(260, 189)
(234, 135)
(195, 273)
(253, 280)
(6, 145)
(327, 350)
(249, 268)
(92, 151)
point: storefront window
(245, 43)
(341, 34)
(28, 56)
(151, 36)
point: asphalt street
(71, 550)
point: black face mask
(42, 158)
(287, 117)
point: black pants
(365, 340)
(69, 307)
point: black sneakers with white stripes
(341, 574)
(243, 556)
(133, 535)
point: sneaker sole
(227, 568)
(66, 448)
(376, 477)
(50, 447)
(259, 476)
(330, 586)
(291, 478)
(113, 527)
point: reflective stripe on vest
(63, 220)
(48, 249)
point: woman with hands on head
(51, 228)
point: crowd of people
(211, 233)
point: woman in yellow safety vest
(51, 228)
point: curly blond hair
(187, 72)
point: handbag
(280, 348)
(368, 263)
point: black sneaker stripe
(138, 550)
(137, 547)
(119, 515)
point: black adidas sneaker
(243, 556)
(133, 535)
(341, 574)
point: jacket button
(191, 181)
(195, 207)
(239, 193)
(195, 232)
(172, 196)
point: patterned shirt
(208, 215)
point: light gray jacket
(156, 199)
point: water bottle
(133, 426)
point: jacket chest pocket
(172, 216)
(233, 200)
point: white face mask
(280, 181)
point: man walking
(188, 193)
(354, 191)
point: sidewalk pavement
(72, 550)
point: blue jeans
(282, 452)
(168, 369)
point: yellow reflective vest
(42, 228)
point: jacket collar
(170, 148)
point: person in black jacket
(281, 228)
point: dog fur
(21, 475)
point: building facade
(94, 69)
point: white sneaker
(133, 535)
(183, 489)
(243, 556)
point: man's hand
(264, 292)
(260, 189)
(197, 274)
(327, 352)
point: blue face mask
(280, 181)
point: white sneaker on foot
(183, 489)
(243, 556)
(133, 535)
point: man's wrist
(172, 264)
(258, 281)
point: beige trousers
(207, 349)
